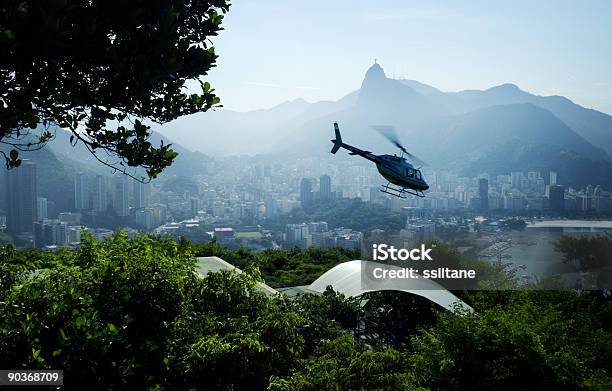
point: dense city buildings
(318, 234)
(250, 197)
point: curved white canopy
(346, 278)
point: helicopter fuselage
(398, 171)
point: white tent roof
(346, 278)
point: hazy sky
(273, 50)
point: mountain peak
(509, 87)
(375, 72)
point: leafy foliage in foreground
(338, 365)
(135, 314)
(528, 342)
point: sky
(272, 51)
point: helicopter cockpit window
(410, 173)
(418, 174)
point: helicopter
(395, 169)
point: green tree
(135, 314)
(587, 252)
(526, 343)
(99, 69)
(391, 318)
(328, 316)
(339, 365)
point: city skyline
(249, 192)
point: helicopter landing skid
(401, 192)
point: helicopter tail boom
(352, 150)
(338, 140)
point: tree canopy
(135, 314)
(102, 69)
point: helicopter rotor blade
(390, 134)
(416, 160)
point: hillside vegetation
(134, 314)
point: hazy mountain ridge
(447, 129)
(498, 124)
(227, 132)
(187, 163)
(593, 125)
(419, 111)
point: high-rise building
(80, 198)
(557, 198)
(41, 208)
(195, 206)
(540, 186)
(483, 193)
(318, 226)
(121, 204)
(296, 234)
(145, 218)
(597, 193)
(460, 193)
(267, 172)
(325, 192)
(141, 195)
(22, 192)
(70, 218)
(586, 202)
(516, 178)
(3, 187)
(306, 195)
(553, 178)
(50, 232)
(100, 199)
(271, 207)
(218, 208)
(533, 175)
(73, 235)
(376, 196)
